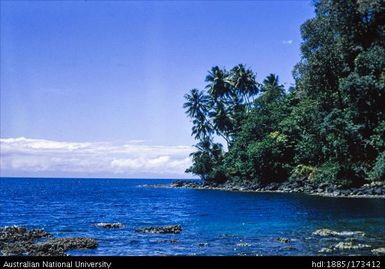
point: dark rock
(283, 240)
(16, 233)
(330, 190)
(177, 184)
(186, 184)
(174, 229)
(345, 192)
(20, 241)
(272, 187)
(69, 243)
(297, 186)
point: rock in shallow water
(172, 241)
(325, 232)
(16, 233)
(243, 245)
(344, 246)
(378, 251)
(16, 240)
(349, 246)
(107, 225)
(171, 229)
(328, 232)
(283, 240)
(68, 243)
(325, 250)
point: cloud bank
(25, 156)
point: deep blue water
(214, 222)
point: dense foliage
(329, 127)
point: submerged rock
(351, 233)
(325, 232)
(20, 241)
(283, 240)
(58, 246)
(328, 232)
(171, 229)
(325, 250)
(243, 245)
(378, 251)
(73, 243)
(107, 225)
(349, 246)
(172, 241)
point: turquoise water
(214, 222)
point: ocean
(213, 222)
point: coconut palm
(197, 104)
(218, 83)
(197, 108)
(201, 128)
(271, 89)
(221, 120)
(243, 80)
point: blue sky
(92, 72)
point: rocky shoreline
(370, 190)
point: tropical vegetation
(328, 127)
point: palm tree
(243, 80)
(197, 108)
(271, 80)
(201, 128)
(197, 104)
(218, 83)
(271, 89)
(221, 120)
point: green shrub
(378, 171)
(327, 172)
(303, 172)
(268, 158)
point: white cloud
(25, 155)
(287, 42)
